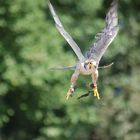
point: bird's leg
(73, 83)
(95, 89)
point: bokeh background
(32, 98)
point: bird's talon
(95, 92)
(70, 92)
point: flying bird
(88, 64)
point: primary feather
(63, 68)
(65, 34)
(106, 36)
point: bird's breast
(84, 71)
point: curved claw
(69, 93)
(95, 92)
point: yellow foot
(95, 92)
(69, 93)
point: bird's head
(90, 64)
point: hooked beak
(90, 65)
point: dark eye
(95, 67)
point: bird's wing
(106, 36)
(63, 68)
(67, 37)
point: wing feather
(106, 36)
(63, 68)
(65, 34)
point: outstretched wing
(106, 36)
(68, 38)
(63, 68)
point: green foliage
(32, 98)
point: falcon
(88, 64)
